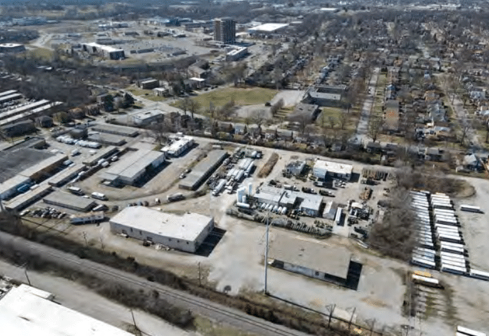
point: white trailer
(453, 269)
(479, 274)
(470, 208)
(423, 262)
(470, 332)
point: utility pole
(351, 319)
(200, 278)
(266, 253)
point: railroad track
(225, 313)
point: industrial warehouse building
(323, 168)
(107, 139)
(186, 232)
(308, 203)
(11, 48)
(117, 130)
(66, 175)
(203, 170)
(101, 154)
(133, 166)
(104, 50)
(23, 201)
(69, 201)
(315, 260)
(268, 29)
(21, 167)
(28, 311)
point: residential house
(198, 72)
(373, 147)
(433, 154)
(473, 162)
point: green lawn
(240, 96)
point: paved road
(362, 127)
(203, 307)
(465, 120)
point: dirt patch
(374, 302)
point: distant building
(268, 29)
(225, 30)
(149, 84)
(11, 48)
(236, 54)
(309, 110)
(325, 95)
(103, 50)
(146, 118)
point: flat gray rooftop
(203, 169)
(68, 200)
(106, 138)
(300, 251)
(116, 129)
(16, 161)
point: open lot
(240, 96)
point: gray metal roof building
(107, 139)
(133, 166)
(24, 200)
(203, 170)
(115, 129)
(102, 154)
(66, 175)
(69, 201)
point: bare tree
(332, 122)
(193, 107)
(258, 118)
(375, 127)
(275, 108)
(185, 104)
(303, 120)
(343, 120)
(159, 131)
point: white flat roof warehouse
(24, 312)
(186, 227)
(334, 167)
(269, 27)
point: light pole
(266, 252)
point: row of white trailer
(437, 218)
(424, 253)
(449, 237)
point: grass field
(42, 53)
(147, 94)
(240, 96)
(336, 113)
